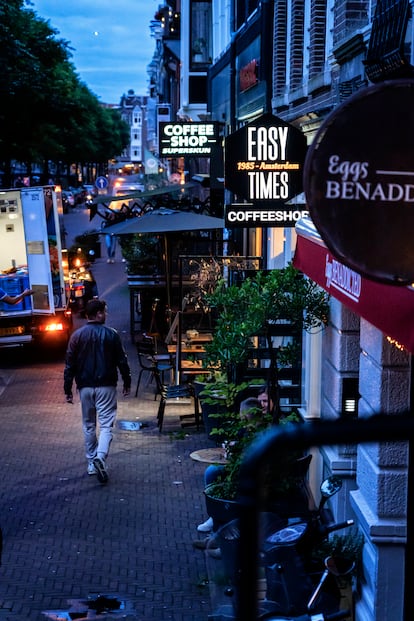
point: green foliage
(242, 312)
(246, 310)
(239, 432)
(348, 546)
(141, 252)
(276, 480)
(287, 295)
(220, 392)
(46, 112)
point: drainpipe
(409, 546)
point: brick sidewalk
(66, 537)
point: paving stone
(65, 535)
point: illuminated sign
(264, 160)
(238, 215)
(181, 139)
(359, 182)
(263, 165)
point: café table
(213, 455)
(187, 349)
(203, 337)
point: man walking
(93, 357)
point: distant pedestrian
(110, 240)
(93, 357)
(110, 243)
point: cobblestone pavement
(66, 537)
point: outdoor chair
(174, 394)
(157, 365)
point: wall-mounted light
(350, 396)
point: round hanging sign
(359, 182)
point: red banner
(390, 308)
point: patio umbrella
(164, 221)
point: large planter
(221, 510)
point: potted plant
(245, 311)
(281, 484)
(349, 547)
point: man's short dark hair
(93, 307)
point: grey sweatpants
(98, 406)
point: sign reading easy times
(181, 139)
(263, 165)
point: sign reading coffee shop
(359, 182)
(263, 165)
(181, 139)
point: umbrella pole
(167, 272)
(178, 348)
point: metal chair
(172, 394)
(156, 364)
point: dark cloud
(111, 41)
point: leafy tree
(46, 112)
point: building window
(197, 89)
(200, 41)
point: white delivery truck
(31, 257)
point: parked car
(123, 186)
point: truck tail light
(56, 326)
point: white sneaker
(91, 469)
(206, 526)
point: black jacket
(94, 354)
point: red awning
(389, 308)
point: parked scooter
(290, 567)
(319, 616)
(296, 584)
(335, 567)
